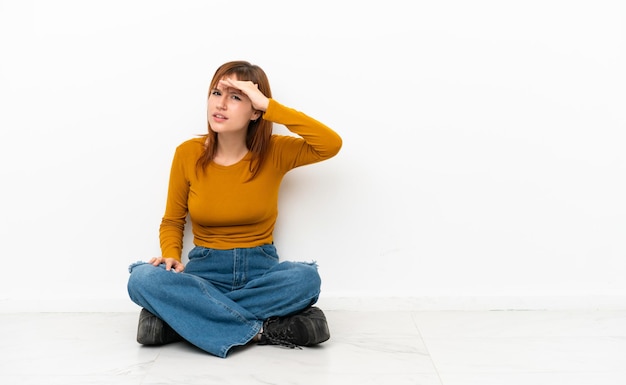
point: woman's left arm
(318, 141)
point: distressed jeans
(222, 298)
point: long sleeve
(318, 142)
(172, 227)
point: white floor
(449, 348)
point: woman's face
(228, 109)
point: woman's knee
(305, 274)
(143, 275)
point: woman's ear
(256, 115)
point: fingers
(242, 85)
(245, 86)
(179, 267)
(257, 98)
(170, 263)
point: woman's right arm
(172, 227)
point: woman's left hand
(251, 90)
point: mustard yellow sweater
(227, 210)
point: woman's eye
(216, 93)
(236, 97)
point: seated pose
(234, 290)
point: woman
(233, 291)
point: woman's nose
(220, 103)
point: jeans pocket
(199, 253)
(268, 251)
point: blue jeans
(223, 296)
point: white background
(483, 157)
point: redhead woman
(234, 290)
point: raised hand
(251, 90)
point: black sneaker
(303, 329)
(153, 331)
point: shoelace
(279, 337)
(282, 342)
